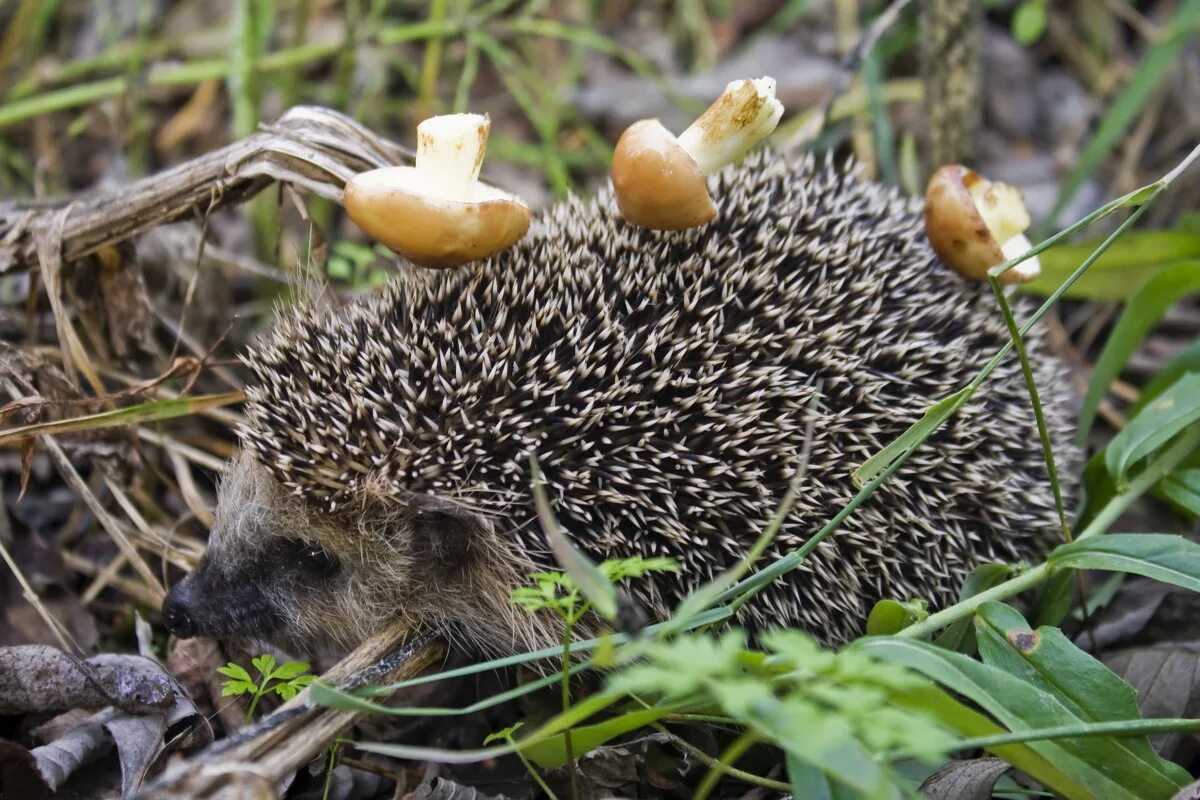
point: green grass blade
(1039, 413)
(921, 430)
(133, 415)
(1129, 263)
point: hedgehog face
(260, 564)
(279, 570)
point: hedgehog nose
(175, 612)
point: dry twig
(312, 147)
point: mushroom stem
(450, 151)
(746, 112)
(1028, 269)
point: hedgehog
(666, 382)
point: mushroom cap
(431, 231)
(959, 233)
(657, 184)
(956, 229)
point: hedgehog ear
(447, 535)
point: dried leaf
(77, 748)
(42, 678)
(124, 304)
(1167, 682)
(139, 741)
(965, 780)
(445, 789)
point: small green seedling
(286, 680)
(558, 592)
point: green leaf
(932, 419)
(807, 732)
(1182, 489)
(1185, 361)
(1049, 661)
(1144, 308)
(293, 687)
(1127, 264)
(503, 735)
(236, 671)
(1173, 410)
(234, 688)
(807, 781)
(1159, 60)
(265, 664)
(892, 616)
(339, 269)
(1162, 556)
(1100, 765)
(619, 569)
(1054, 599)
(587, 576)
(1029, 22)
(552, 752)
(291, 669)
(968, 722)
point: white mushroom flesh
(1028, 269)
(1006, 217)
(450, 151)
(744, 114)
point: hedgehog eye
(316, 559)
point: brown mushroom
(975, 224)
(437, 213)
(659, 180)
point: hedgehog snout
(178, 613)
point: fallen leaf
(44, 679)
(1167, 683)
(974, 779)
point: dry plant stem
(311, 147)
(103, 578)
(174, 446)
(64, 637)
(135, 590)
(298, 731)
(106, 520)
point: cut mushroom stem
(437, 213)
(744, 114)
(658, 179)
(450, 151)
(975, 224)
